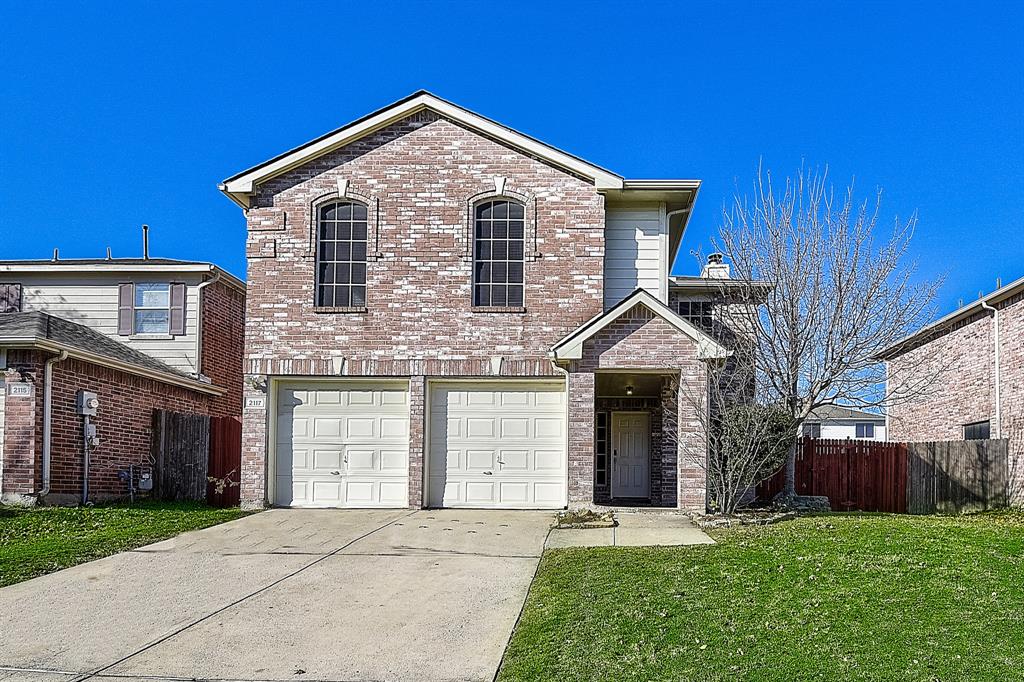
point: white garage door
(497, 444)
(342, 445)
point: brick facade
(419, 178)
(641, 340)
(124, 426)
(964, 389)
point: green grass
(833, 597)
(46, 539)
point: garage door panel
(548, 460)
(514, 460)
(342, 446)
(479, 492)
(480, 460)
(497, 444)
(324, 460)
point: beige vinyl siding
(91, 300)
(634, 250)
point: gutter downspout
(199, 321)
(568, 431)
(671, 257)
(995, 321)
(47, 418)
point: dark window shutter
(177, 327)
(125, 309)
(10, 298)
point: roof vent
(56, 255)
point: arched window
(498, 254)
(341, 255)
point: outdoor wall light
(629, 390)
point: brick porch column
(693, 443)
(253, 476)
(581, 438)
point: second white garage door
(497, 444)
(342, 444)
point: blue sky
(112, 115)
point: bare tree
(747, 440)
(820, 289)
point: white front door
(497, 444)
(631, 454)
(342, 444)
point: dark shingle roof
(841, 412)
(42, 326)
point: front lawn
(45, 539)
(833, 597)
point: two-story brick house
(139, 333)
(443, 311)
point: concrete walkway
(285, 595)
(635, 529)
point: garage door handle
(335, 473)
(488, 473)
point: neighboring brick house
(142, 334)
(443, 311)
(973, 363)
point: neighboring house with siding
(973, 363)
(142, 334)
(839, 421)
(443, 311)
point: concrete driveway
(285, 595)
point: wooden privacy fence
(181, 444)
(955, 476)
(225, 461)
(919, 478)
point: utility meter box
(86, 403)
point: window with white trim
(865, 430)
(499, 254)
(341, 255)
(812, 429)
(152, 308)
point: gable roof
(571, 346)
(839, 412)
(37, 329)
(948, 322)
(240, 186)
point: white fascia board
(246, 182)
(58, 266)
(667, 184)
(571, 347)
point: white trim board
(571, 347)
(240, 186)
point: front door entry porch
(631, 455)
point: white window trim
(136, 308)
